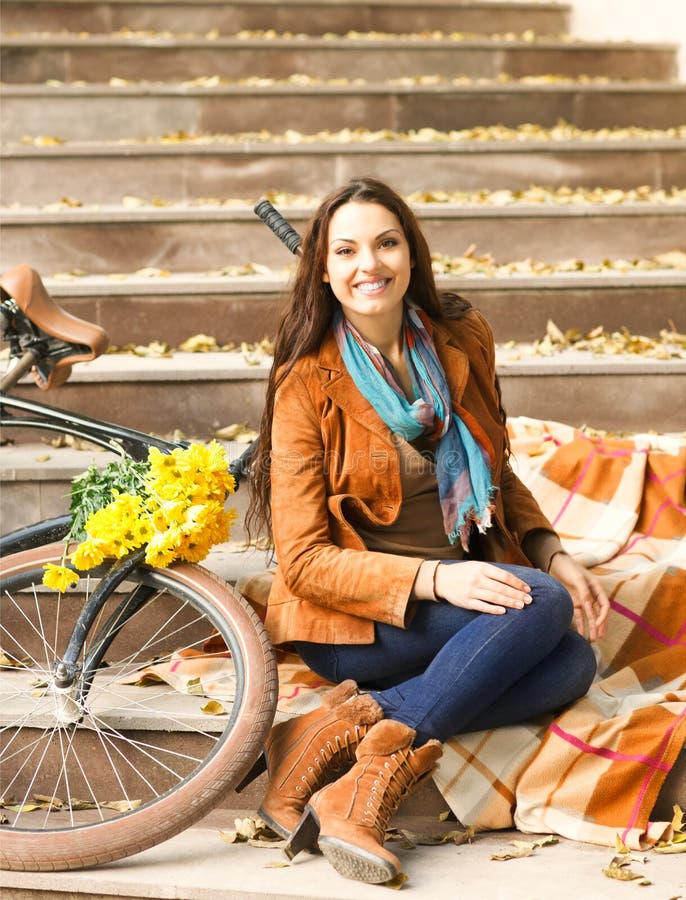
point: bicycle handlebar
(273, 219)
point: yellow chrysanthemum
(143, 530)
(162, 548)
(180, 514)
(59, 578)
(117, 525)
(164, 513)
(89, 553)
(194, 551)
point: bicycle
(98, 767)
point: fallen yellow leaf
(213, 708)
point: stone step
(200, 238)
(196, 864)
(104, 111)
(105, 171)
(308, 16)
(68, 58)
(199, 393)
(171, 309)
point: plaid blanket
(597, 769)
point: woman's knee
(582, 662)
(551, 598)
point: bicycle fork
(72, 680)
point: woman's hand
(481, 587)
(591, 604)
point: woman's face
(368, 264)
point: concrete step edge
(278, 88)
(512, 361)
(39, 461)
(138, 148)
(199, 283)
(490, 5)
(106, 214)
(43, 40)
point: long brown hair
(310, 307)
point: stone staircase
(137, 136)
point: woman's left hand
(591, 604)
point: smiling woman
(369, 273)
(415, 570)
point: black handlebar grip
(240, 467)
(281, 228)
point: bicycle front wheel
(174, 716)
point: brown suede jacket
(335, 463)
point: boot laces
(329, 759)
(393, 783)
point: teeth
(371, 285)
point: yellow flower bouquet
(174, 504)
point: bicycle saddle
(77, 340)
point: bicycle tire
(69, 838)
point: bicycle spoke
(49, 651)
(153, 639)
(26, 760)
(134, 663)
(63, 773)
(145, 705)
(138, 743)
(14, 638)
(29, 789)
(109, 736)
(113, 769)
(86, 780)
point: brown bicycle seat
(25, 287)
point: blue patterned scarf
(462, 465)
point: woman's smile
(372, 287)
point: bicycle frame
(125, 442)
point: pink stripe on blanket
(679, 472)
(653, 477)
(603, 450)
(650, 529)
(576, 486)
(598, 450)
(647, 627)
(649, 776)
(605, 753)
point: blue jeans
(453, 670)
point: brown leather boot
(306, 752)
(349, 817)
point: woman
(415, 570)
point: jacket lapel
(454, 361)
(337, 384)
